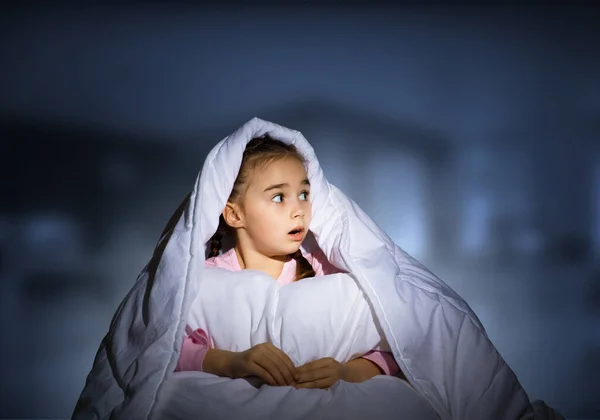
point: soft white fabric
(381, 398)
(326, 316)
(435, 337)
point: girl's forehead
(287, 170)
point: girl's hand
(265, 361)
(322, 373)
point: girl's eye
(278, 198)
(305, 194)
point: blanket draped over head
(434, 336)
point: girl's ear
(232, 215)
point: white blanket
(318, 317)
(435, 337)
(381, 398)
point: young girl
(269, 213)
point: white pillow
(326, 316)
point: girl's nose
(299, 213)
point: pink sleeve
(384, 360)
(193, 350)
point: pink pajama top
(196, 343)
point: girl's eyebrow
(285, 184)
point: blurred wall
(472, 136)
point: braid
(215, 241)
(303, 267)
(215, 245)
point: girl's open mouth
(296, 234)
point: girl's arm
(197, 355)
(372, 364)
(384, 361)
(193, 351)
(218, 362)
(361, 369)
(261, 360)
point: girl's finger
(307, 367)
(263, 374)
(270, 366)
(285, 365)
(313, 375)
(315, 364)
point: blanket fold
(436, 339)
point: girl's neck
(252, 260)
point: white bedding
(326, 316)
(434, 336)
(381, 398)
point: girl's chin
(284, 253)
(281, 254)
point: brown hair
(260, 152)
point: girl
(269, 213)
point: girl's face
(276, 206)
